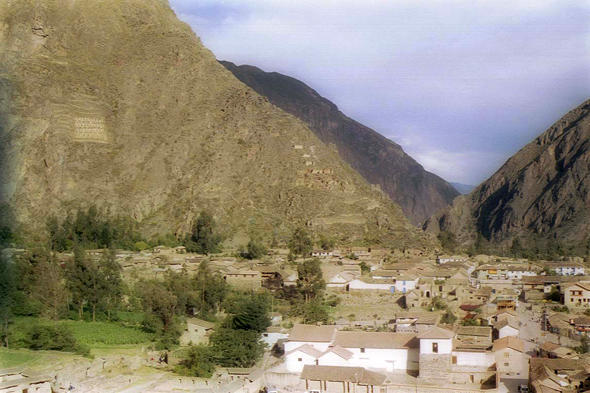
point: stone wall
(435, 367)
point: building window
(506, 364)
(362, 350)
(434, 347)
(299, 359)
(506, 354)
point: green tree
(50, 289)
(112, 281)
(314, 312)
(7, 296)
(448, 318)
(203, 238)
(78, 278)
(300, 243)
(365, 268)
(326, 243)
(310, 282)
(199, 361)
(584, 346)
(516, 250)
(210, 288)
(254, 250)
(448, 241)
(237, 348)
(252, 315)
(158, 301)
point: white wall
(474, 359)
(358, 284)
(507, 331)
(408, 285)
(294, 365)
(331, 359)
(271, 338)
(445, 346)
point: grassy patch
(9, 358)
(93, 334)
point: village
(405, 322)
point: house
(475, 334)
(197, 331)
(509, 355)
(506, 327)
(436, 347)
(180, 250)
(341, 280)
(318, 337)
(582, 325)
(246, 279)
(273, 335)
(442, 259)
(577, 295)
(321, 253)
(566, 268)
(413, 298)
(557, 375)
(556, 351)
(415, 321)
(341, 379)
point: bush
(50, 338)
(199, 361)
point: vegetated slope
(543, 190)
(376, 158)
(117, 103)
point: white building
(507, 327)
(567, 268)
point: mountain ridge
(378, 159)
(118, 104)
(542, 191)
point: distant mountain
(541, 191)
(379, 160)
(118, 103)
(463, 188)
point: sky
(461, 85)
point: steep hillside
(117, 102)
(542, 190)
(376, 158)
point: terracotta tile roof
(508, 342)
(436, 332)
(508, 321)
(342, 374)
(312, 333)
(381, 340)
(483, 331)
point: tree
(158, 301)
(516, 249)
(448, 318)
(203, 239)
(314, 312)
(210, 288)
(237, 348)
(254, 250)
(448, 241)
(50, 289)
(199, 361)
(365, 268)
(584, 346)
(300, 243)
(326, 243)
(7, 297)
(310, 282)
(111, 280)
(252, 315)
(78, 278)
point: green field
(11, 358)
(93, 334)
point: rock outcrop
(117, 103)
(379, 160)
(542, 191)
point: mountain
(379, 160)
(541, 191)
(463, 188)
(117, 103)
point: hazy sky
(461, 85)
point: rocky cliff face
(379, 160)
(543, 190)
(117, 102)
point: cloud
(459, 77)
